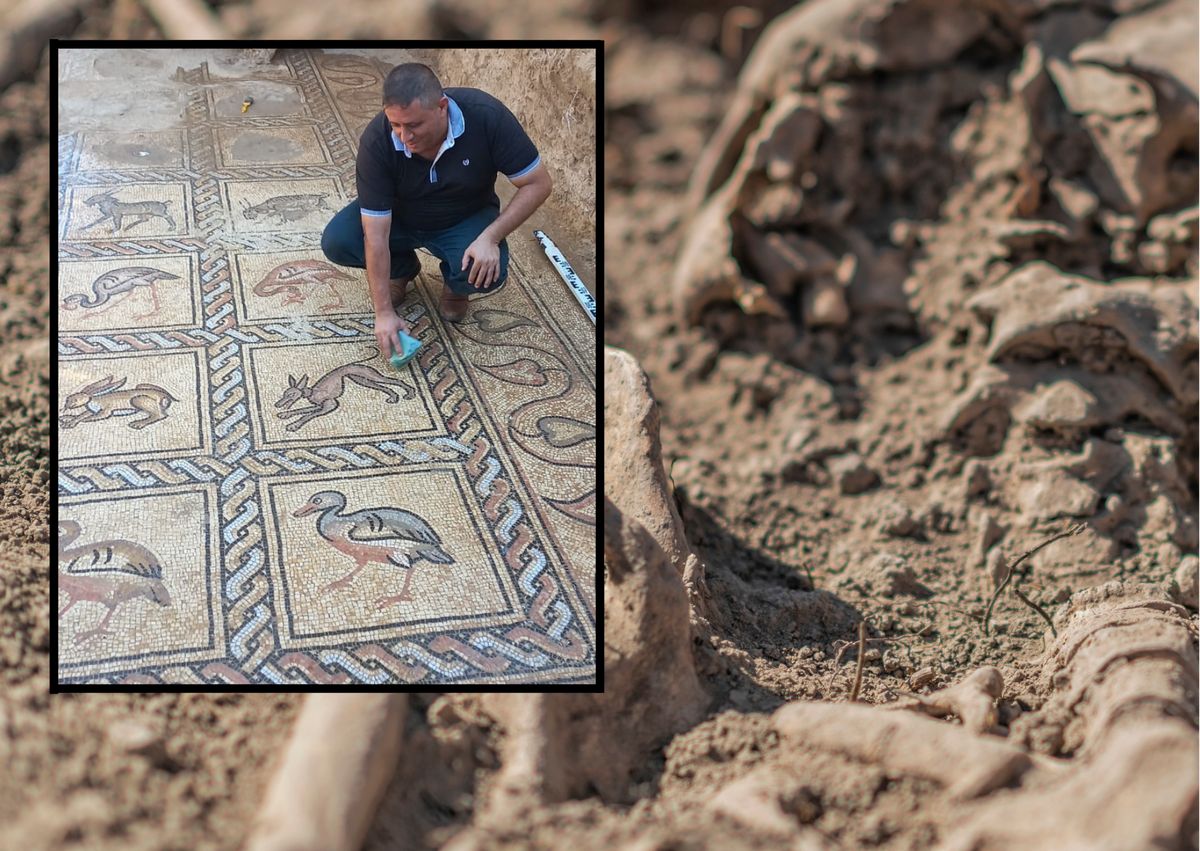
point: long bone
(335, 768)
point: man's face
(421, 129)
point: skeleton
(1121, 673)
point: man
(426, 173)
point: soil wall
(553, 93)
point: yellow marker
(246, 104)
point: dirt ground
(875, 454)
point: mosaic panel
(167, 605)
(339, 390)
(274, 145)
(106, 211)
(268, 283)
(248, 491)
(331, 589)
(133, 405)
(158, 149)
(128, 293)
(268, 206)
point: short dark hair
(409, 82)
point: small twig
(1074, 530)
(1037, 609)
(846, 645)
(862, 642)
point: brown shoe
(399, 288)
(453, 307)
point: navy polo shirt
(483, 138)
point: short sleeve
(373, 173)
(513, 152)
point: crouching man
(427, 167)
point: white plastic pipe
(568, 274)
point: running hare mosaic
(248, 492)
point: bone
(185, 19)
(1139, 792)
(337, 765)
(972, 699)
(27, 26)
(967, 764)
(1123, 670)
(1122, 656)
(1038, 306)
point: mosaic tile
(269, 282)
(160, 149)
(248, 492)
(128, 293)
(106, 211)
(138, 580)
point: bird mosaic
(288, 278)
(387, 536)
(110, 572)
(124, 282)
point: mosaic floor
(244, 482)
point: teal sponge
(408, 348)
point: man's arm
(532, 191)
(484, 253)
(376, 232)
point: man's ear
(444, 103)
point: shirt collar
(458, 124)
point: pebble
(897, 520)
(852, 475)
(976, 478)
(135, 737)
(921, 678)
(1186, 577)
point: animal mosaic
(324, 393)
(287, 208)
(104, 398)
(114, 210)
(388, 536)
(110, 572)
(288, 278)
(123, 281)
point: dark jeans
(342, 243)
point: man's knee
(334, 245)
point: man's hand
(483, 255)
(387, 325)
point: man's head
(416, 108)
